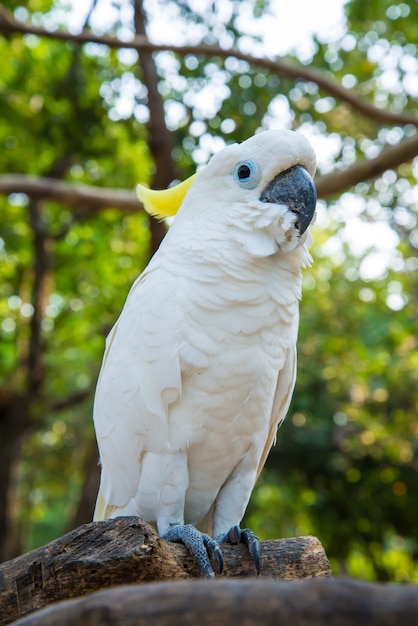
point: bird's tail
(206, 525)
(102, 510)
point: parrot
(200, 367)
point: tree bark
(126, 550)
(247, 602)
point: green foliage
(54, 122)
(344, 467)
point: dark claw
(233, 536)
(246, 536)
(252, 542)
(214, 552)
(203, 548)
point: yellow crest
(165, 202)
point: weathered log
(127, 550)
(245, 602)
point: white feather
(200, 367)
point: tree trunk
(161, 139)
(91, 472)
(14, 424)
(126, 551)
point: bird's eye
(247, 174)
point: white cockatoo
(200, 367)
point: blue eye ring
(247, 174)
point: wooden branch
(73, 399)
(389, 158)
(87, 199)
(280, 67)
(127, 550)
(238, 602)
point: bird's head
(261, 191)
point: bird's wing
(283, 395)
(140, 376)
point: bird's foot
(246, 536)
(204, 550)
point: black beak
(296, 189)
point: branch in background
(161, 141)
(89, 14)
(86, 200)
(82, 198)
(280, 67)
(40, 268)
(72, 400)
(366, 169)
